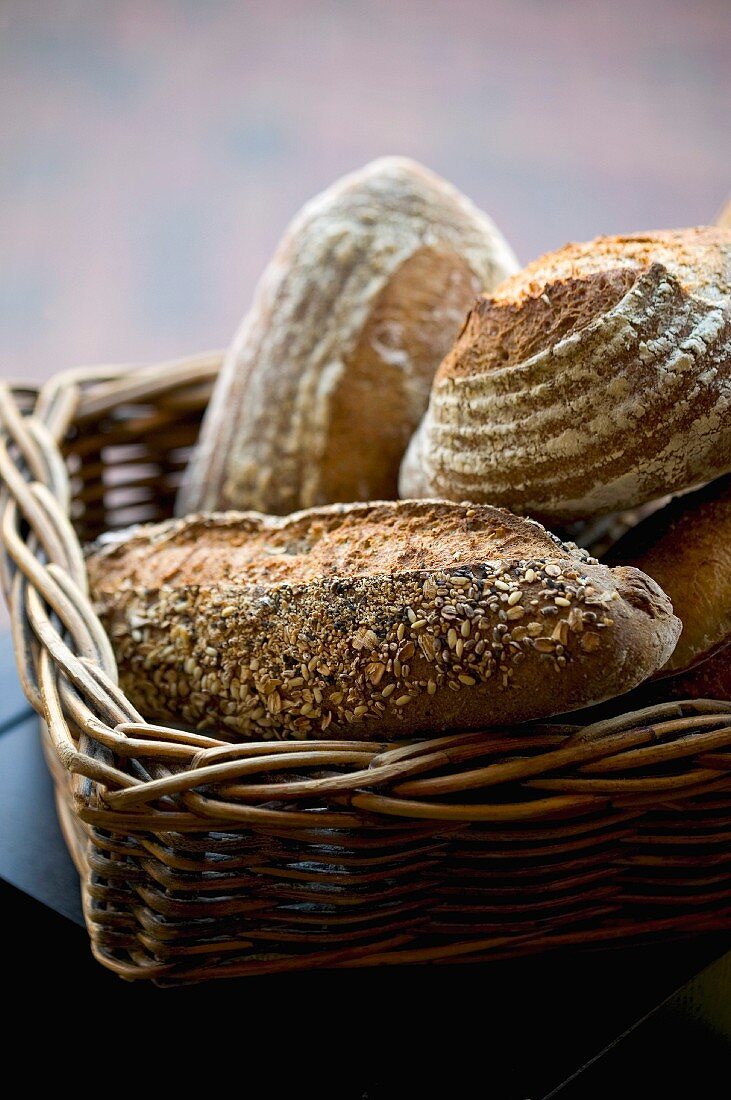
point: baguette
(370, 620)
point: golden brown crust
(371, 419)
(501, 333)
(331, 369)
(370, 620)
(686, 548)
(593, 381)
(709, 680)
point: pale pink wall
(151, 153)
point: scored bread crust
(370, 620)
(330, 371)
(596, 379)
(686, 548)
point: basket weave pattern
(202, 858)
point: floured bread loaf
(596, 379)
(331, 370)
(370, 620)
(686, 548)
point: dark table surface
(570, 1024)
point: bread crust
(330, 371)
(709, 680)
(370, 620)
(593, 381)
(686, 548)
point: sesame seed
(465, 629)
(452, 637)
(402, 700)
(418, 624)
(388, 690)
(468, 680)
(561, 601)
(514, 597)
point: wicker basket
(203, 858)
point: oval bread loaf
(369, 620)
(330, 371)
(593, 381)
(686, 548)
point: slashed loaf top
(596, 379)
(353, 540)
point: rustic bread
(330, 372)
(370, 620)
(686, 548)
(593, 381)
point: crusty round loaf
(593, 381)
(330, 372)
(370, 620)
(686, 548)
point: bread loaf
(593, 381)
(370, 620)
(686, 548)
(330, 371)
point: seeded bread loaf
(370, 620)
(330, 372)
(593, 381)
(686, 548)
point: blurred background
(151, 153)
